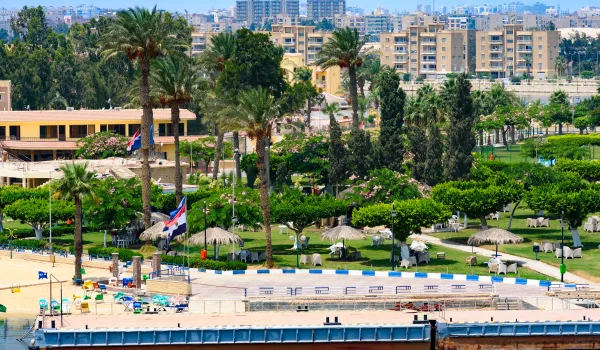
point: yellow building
(48, 135)
(326, 80)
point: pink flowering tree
(101, 145)
(385, 186)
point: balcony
(497, 58)
(497, 67)
(428, 43)
(429, 51)
(401, 60)
(525, 49)
(401, 42)
(496, 41)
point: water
(11, 329)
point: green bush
(587, 169)
(124, 254)
(25, 243)
(197, 262)
(406, 77)
(587, 74)
(452, 75)
(579, 140)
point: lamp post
(563, 268)
(233, 218)
(11, 236)
(393, 257)
(205, 226)
(50, 202)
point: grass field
(513, 154)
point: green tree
(306, 92)
(460, 136)
(203, 149)
(4, 37)
(11, 194)
(433, 170)
(417, 153)
(360, 152)
(101, 145)
(384, 186)
(34, 212)
(560, 65)
(390, 141)
(250, 166)
(256, 113)
(411, 216)
(144, 36)
(346, 50)
(31, 26)
(558, 110)
(77, 184)
(582, 123)
(283, 177)
(172, 81)
(337, 154)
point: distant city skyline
(204, 6)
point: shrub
(406, 77)
(101, 145)
(197, 262)
(452, 75)
(25, 243)
(124, 254)
(587, 169)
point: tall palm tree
(332, 110)
(256, 112)
(143, 35)
(213, 60)
(560, 65)
(345, 49)
(76, 184)
(172, 81)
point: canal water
(12, 329)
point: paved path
(529, 263)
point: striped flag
(177, 224)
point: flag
(135, 142)
(362, 126)
(151, 134)
(177, 224)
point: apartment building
(350, 21)
(200, 41)
(287, 20)
(418, 19)
(378, 23)
(5, 95)
(304, 40)
(319, 9)
(496, 21)
(504, 53)
(325, 80)
(428, 51)
(257, 11)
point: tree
(528, 63)
(34, 212)
(385, 186)
(345, 49)
(77, 184)
(582, 123)
(31, 26)
(11, 194)
(461, 139)
(392, 99)
(477, 198)
(558, 110)
(337, 154)
(115, 205)
(306, 92)
(283, 178)
(433, 170)
(256, 113)
(144, 36)
(250, 165)
(101, 145)
(417, 153)
(360, 152)
(4, 37)
(411, 216)
(560, 65)
(172, 81)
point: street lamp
(563, 268)
(50, 202)
(205, 227)
(236, 154)
(393, 257)
(11, 236)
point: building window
(79, 131)
(483, 39)
(2, 132)
(540, 55)
(539, 38)
(118, 129)
(443, 40)
(167, 129)
(540, 65)
(539, 47)
(14, 132)
(443, 58)
(482, 47)
(132, 128)
(48, 131)
(482, 55)
(482, 64)
(444, 48)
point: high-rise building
(304, 40)
(319, 9)
(257, 11)
(506, 52)
(428, 50)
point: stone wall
(163, 286)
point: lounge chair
(548, 248)
(304, 259)
(254, 257)
(532, 222)
(556, 245)
(42, 275)
(316, 259)
(568, 253)
(512, 268)
(502, 269)
(65, 306)
(413, 260)
(112, 282)
(577, 253)
(493, 268)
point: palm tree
(256, 113)
(560, 64)
(76, 184)
(528, 63)
(172, 81)
(143, 35)
(345, 49)
(332, 110)
(213, 61)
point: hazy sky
(200, 6)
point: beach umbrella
(154, 233)
(342, 232)
(495, 236)
(216, 236)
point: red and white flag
(362, 126)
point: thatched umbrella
(154, 233)
(495, 236)
(216, 236)
(342, 232)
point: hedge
(25, 243)
(587, 169)
(56, 231)
(124, 254)
(579, 140)
(197, 262)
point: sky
(202, 6)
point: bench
(321, 290)
(486, 287)
(349, 290)
(458, 287)
(265, 290)
(400, 289)
(375, 289)
(431, 288)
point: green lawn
(586, 267)
(513, 154)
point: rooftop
(89, 115)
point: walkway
(534, 265)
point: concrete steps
(507, 304)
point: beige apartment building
(5, 95)
(428, 51)
(200, 41)
(504, 53)
(300, 39)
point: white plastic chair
(254, 257)
(244, 256)
(577, 253)
(548, 248)
(512, 268)
(316, 258)
(304, 259)
(568, 253)
(502, 269)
